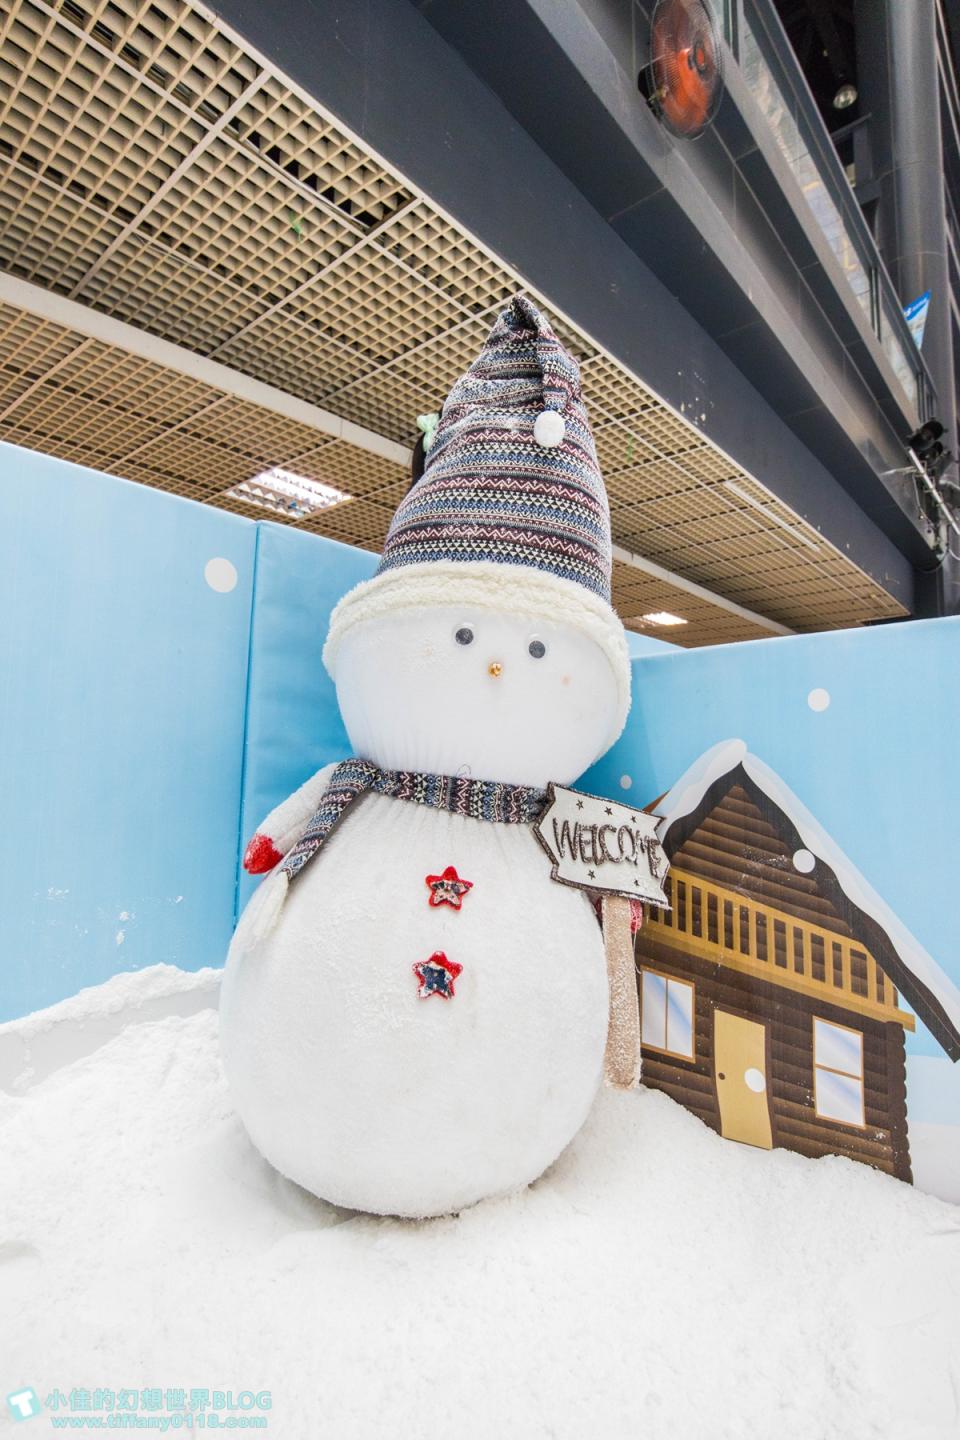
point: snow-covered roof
(687, 794)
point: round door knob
(721, 1076)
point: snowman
(413, 1014)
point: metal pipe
(931, 489)
(899, 84)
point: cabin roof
(923, 983)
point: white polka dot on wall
(818, 699)
(220, 575)
(626, 781)
(803, 861)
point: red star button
(448, 888)
(436, 976)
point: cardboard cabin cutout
(771, 993)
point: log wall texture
(788, 1017)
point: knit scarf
(474, 799)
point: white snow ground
(658, 1280)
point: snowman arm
(282, 828)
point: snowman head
(469, 687)
(486, 644)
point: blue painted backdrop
(144, 715)
(293, 724)
(149, 720)
(121, 726)
(874, 766)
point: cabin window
(668, 1011)
(838, 1073)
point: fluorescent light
(285, 493)
(663, 617)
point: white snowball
(626, 781)
(755, 1080)
(220, 575)
(818, 699)
(549, 429)
(803, 861)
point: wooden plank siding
(788, 1016)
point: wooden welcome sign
(601, 845)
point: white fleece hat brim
(489, 585)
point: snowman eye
(537, 649)
(464, 635)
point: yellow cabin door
(740, 1066)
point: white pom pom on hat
(549, 428)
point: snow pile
(33, 1047)
(657, 1280)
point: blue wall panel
(874, 765)
(293, 724)
(121, 727)
(148, 721)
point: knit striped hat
(511, 511)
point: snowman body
(349, 1078)
(376, 1097)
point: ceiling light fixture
(845, 97)
(285, 493)
(663, 617)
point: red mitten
(261, 855)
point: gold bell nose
(495, 669)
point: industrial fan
(683, 82)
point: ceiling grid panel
(157, 170)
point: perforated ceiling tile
(357, 522)
(147, 286)
(295, 355)
(271, 439)
(183, 457)
(77, 109)
(347, 468)
(391, 494)
(152, 170)
(44, 235)
(370, 302)
(57, 415)
(458, 267)
(619, 449)
(699, 504)
(277, 125)
(232, 217)
(607, 388)
(102, 407)
(708, 464)
(434, 365)
(203, 491)
(29, 352)
(651, 480)
(391, 410)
